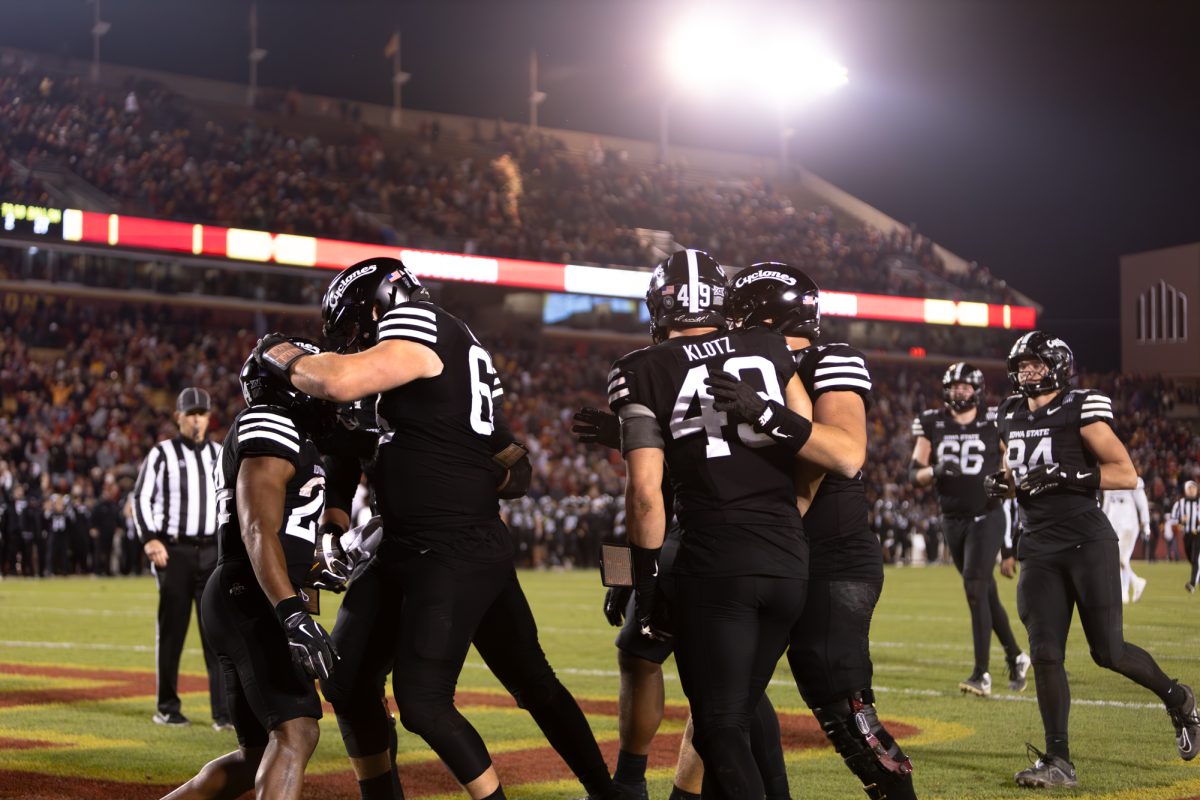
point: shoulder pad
(268, 429)
(414, 322)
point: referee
(175, 512)
(1186, 516)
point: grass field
(77, 692)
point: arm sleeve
(268, 431)
(1143, 507)
(147, 497)
(410, 323)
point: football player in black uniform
(1060, 449)
(739, 577)
(955, 448)
(270, 491)
(829, 649)
(442, 465)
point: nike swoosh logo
(655, 575)
(1050, 411)
(1081, 475)
(305, 631)
(779, 434)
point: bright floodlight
(791, 68)
(709, 53)
(698, 54)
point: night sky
(1042, 139)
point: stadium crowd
(86, 388)
(512, 193)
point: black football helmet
(778, 296)
(1051, 351)
(962, 372)
(360, 294)
(261, 388)
(686, 291)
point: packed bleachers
(510, 193)
(86, 387)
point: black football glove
(735, 396)
(947, 469)
(615, 601)
(311, 648)
(331, 566)
(649, 608)
(996, 485)
(1044, 477)
(277, 355)
(593, 426)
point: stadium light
(710, 55)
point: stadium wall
(1160, 312)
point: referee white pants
(1126, 526)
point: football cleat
(1017, 669)
(977, 685)
(1047, 771)
(174, 719)
(222, 725)
(1139, 586)
(1187, 724)
(1191, 587)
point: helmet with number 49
(686, 290)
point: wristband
(645, 566)
(288, 606)
(1077, 477)
(785, 426)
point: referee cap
(1191, 485)
(193, 399)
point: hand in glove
(996, 485)
(331, 566)
(734, 395)
(593, 426)
(1044, 477)
(311, 648)
(947, 469)
(615, 601)
(278, 355)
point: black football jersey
(724, 475)
(437, 431)
(841, 543)
(976, 448)
(270, 431)
(1052, 435)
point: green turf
(968, 748)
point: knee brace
(870, 752)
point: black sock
(1057, 746)
(631, 768)
(380, 787)
(1175, 696)
(496, 795)
(680, 794)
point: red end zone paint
(423, 778)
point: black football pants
(729, 634)
(829, 648)
(974, 543)
(180, 585)
(1050, 587)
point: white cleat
(1139, 586)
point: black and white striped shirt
(175, 495)
(1186, 514)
